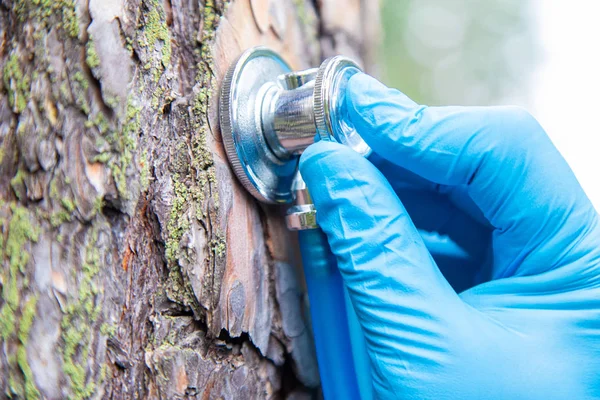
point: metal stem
(287, 113)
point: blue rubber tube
(329, 317)
(359, 352)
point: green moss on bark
(59, 13)
(178, 221)
(17, 184)
(14, 317)
(27, 315)
(156, 29)
(91, 57)
(156, 37)
(122, 141)
(194, 178)
(125, 145)
(16, 83)
(81, 314)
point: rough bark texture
(133, 263)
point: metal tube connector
(302, 215)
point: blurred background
(543, 55)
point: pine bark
(133, 263)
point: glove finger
(397, 291)
(512, 171)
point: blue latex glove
(484, 186)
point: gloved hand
(486, 186)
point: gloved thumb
(394, 284)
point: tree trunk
(133, 263)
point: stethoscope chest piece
(269, 114)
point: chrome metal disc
(265, 176)
(331, 115)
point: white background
(566, 85)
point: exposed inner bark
(133, 263)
